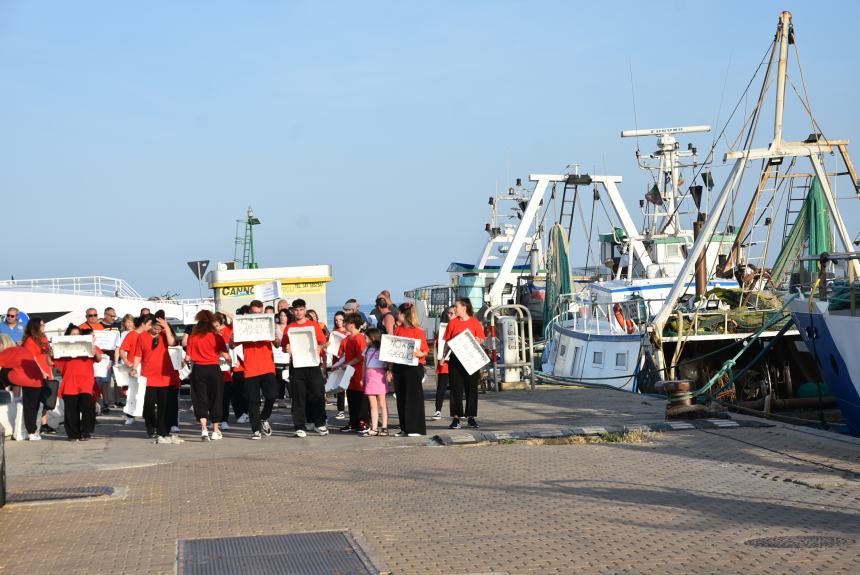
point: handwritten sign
(268, 291)
(105, 339)
(254, 327)
(72, 345)
(281, 357)
(177, 357)
(469, 352)
(440, 343)
(303, 347)
(395, 349)
(339, 379)
(334, 340)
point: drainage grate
(63, 493)
(800, 542)
(320, 553)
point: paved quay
(692, 500)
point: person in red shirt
(353, 354)
(77, 389)
(339, 317)
(128, 348)
(152, 361)
(20, 368)
(408, 378)
(206, 347)
(458, 377)
(307, 383)
(36, 341)
(442, 371)
(260, 376)
(234, 376)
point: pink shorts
(374, 382)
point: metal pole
(784, 23)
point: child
(353, 355)
(374, 382)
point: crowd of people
(249, 376)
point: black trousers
(30, 398)
(283, 390)
(463, 382)
(410, 398)
(359, 408)
(155, 410)
(234, 393)
(80, 415)
(253, 386)
(172, 406)
(308, 393)
(341, 400)
(207, 392)
(441, 389)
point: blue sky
(366, 135)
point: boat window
(562, 350)
(597, 358)
(621, 360)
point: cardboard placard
(396, 349)
(303, 347)
(254, 327)
(440, 342)
(339, 379)
(281, 357)
(135, 396)
(101, 368)
(106, 340)
(177, 357)
(121, 375)
(269, 291)
(72, 346)
(469, 352)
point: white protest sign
(268, 291)
(254, 327)
(106, 340)
(334, 340)
(440, 344)
(339, 378)
(303, 346)
(121, 375)
(135, 398)
(72, 345)
(281, 357)
(469, 352)
(177, 357)
(190, 310)
(101, 368)
(395, 349)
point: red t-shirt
(227, 334)
(415, 333)
(129, 345)
(24, 370)
(39, 351)
(321, 339)
(457, 326)
(259, 358)
(353, 347)
(206, 348)
(155, 364)
(78, 375)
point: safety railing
(77, 285)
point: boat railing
(76, 285)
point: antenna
(663, 131)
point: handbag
(50, 387)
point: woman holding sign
(206, 347)
(458, 377)
(77, 388)
(407, 378)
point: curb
(465, 437)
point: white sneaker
(243, 418)
(413, 435)
(204, 435)
(176, 439)
(34, 437)
(437, 415)
(267, 429)
(216, 435)
(256, 435)
(225, 425)
(340, 415)
(129, 420)
(159, 439)
(322, 430)
(174, 429)
(301, 433)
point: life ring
(623, 323)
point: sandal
(384, 431)
(370, 433)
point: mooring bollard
(679, 404)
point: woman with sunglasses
(459, 379)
